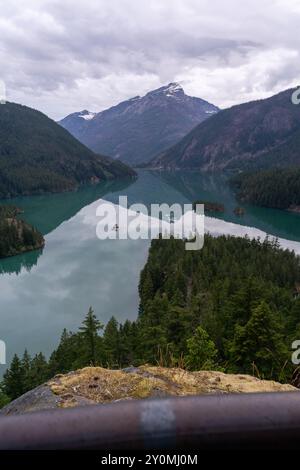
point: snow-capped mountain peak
(87, 115)
(174, 88)
(136, 130)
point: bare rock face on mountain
(95, 385)
(136, 130)
(259, 134)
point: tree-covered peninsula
(232, 306)
(16, 235)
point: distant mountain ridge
(136, 130)
(37, 155)
(258, 134)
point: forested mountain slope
(258, 134)
(38, 155)
(278, 188)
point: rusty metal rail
(264, 420)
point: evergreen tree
(178, 298)
(89, 333)
(26, 365)
(152, 337)
(259, 344)
(202, 352)
(145, 289)
(177, 327)
(39, 372)
(111, 344)
(293, 317)
(128, 343)
(13, 379)
(4, 399)
(62, 359)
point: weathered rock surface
(93, 385)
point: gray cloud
(65, 56)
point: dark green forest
(230, 307)
(210, 206)
(37, 155)
(16, 235)
(277, 188)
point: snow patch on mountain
(87, 115)
(174, 88)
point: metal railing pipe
(262, 420)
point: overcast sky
(62, 56)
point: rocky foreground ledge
(95, 385)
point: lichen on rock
(96, 385)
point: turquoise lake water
(43, 292)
